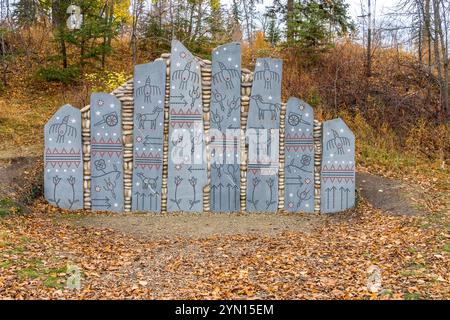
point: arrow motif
(151, 195)
(328, 197)
(99, 203)
(143, 200)
(342, 195)
(346, 195)
(236, 189)
(180, 96)
(220, 185)
(333, 189)
(149, 140)
(229, 186)
(184, 103)
(294, 181)
(213, 188)
(190, 169)
(137, 194)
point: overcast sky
(382, 6)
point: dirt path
(157, 226)
(388, 195)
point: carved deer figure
(152, 116)
(264, 107)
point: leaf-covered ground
(330, 261)
(290, 257)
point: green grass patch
(53, 282)
(413, 269)
(16, 250)
(447, 247)
(8, 206)
(5, 264)
(412, 296)
(412, 250)
(28, 273)
(51, 277)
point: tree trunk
(191, 21)
(289, 20)
(437, 55)
(198, 24)
(444, 49)
(369, 41)
(59, 8)
(427, 20)
(133, 32)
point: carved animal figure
(152, 116)
(185, 75)
(148, 183)
(148, 90)
(225, 75)
(337, 142)
(264, 107)
(195, 95)
(63, 129)
(216, 119)
(267, 75)
(233, 104)
(219, 98)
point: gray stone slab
(225, 121)
(63, 159)
(263, 136)
(187, 166)
(299, 156)
(149, 83)
(337, 189)
(265, 101)
(106, 153)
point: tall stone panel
(337, 189)
(149, 84)
(186, 164)
(299, 156)
(63, 159)
(106, 153)
(225, 128)
(263, 136)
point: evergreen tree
(273, 33)
(25, 12)
(312, 24)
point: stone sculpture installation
(171, 140)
